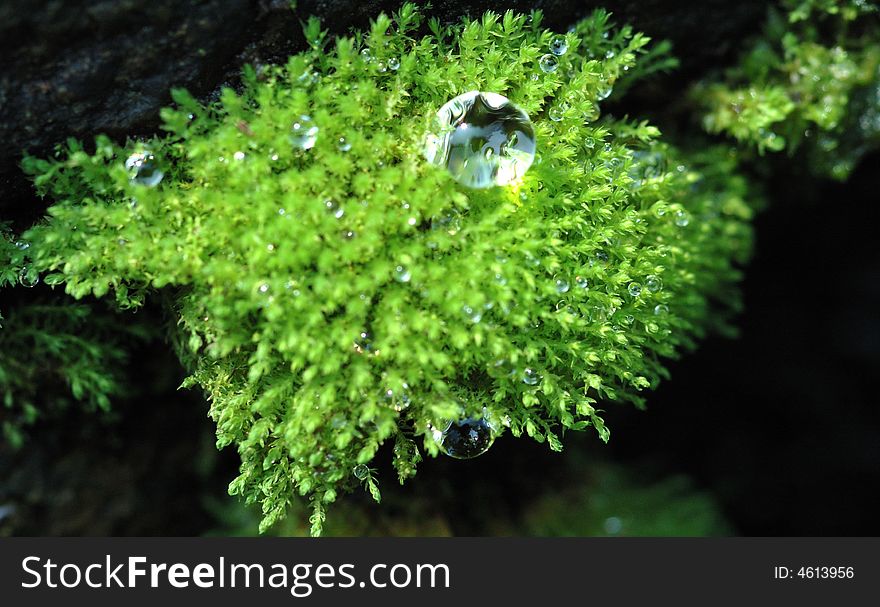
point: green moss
(272, 292)
(812, 81)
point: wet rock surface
(75, 68)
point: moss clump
(811, 80)
(282, 265)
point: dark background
(781, 426)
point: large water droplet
(548, 63)
(482, 139)
(303, 133)
(394, 64)
(562, 285)
(559, 46)
(466, 438)
(143, 169)
(682, 219)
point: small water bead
(363, 343)
(466, 438)
(473, 314)
(366, 55)
(634, 289)
(360, 472)
(548, 63)
(661, 309)
(482, 139)
(394, 64)
(238, 156)
(348, 234)
(562, 285)
(263, 288)
(555, 113)
(604, 92)
(22, 245)
(613, 525)
(530, 377)
(303, 133)
(682, 218)
(342, 144)
(334, 209)
(581, 282)
(28, 279)
(402, 274)
(143, 169)
(654, 283)
(559, 46)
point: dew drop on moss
(554, 113)
(466, 438)
(394, 64)
(661, 309)
(653, 283)
(343, 145)
(303, 133)
(402, 274)
(582, 282)
(143, 169)
(482, 139)
(28, 279)
(558, 46)
(634, 289)
(360, 472)
(530, 377)
(562, 285)
(548, 63)
(682, 219)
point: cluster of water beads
(143, 169)
(303, 133)
(482, 139)
(465, 438)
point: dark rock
(82, 67)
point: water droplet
(473, 314)
(559, 46)
(402, 274)
(599, 257)
(334, 209)
(634, 289)
(360, 472)
(661, 309)
(682, 218)
(482, 139)
(28, 279)
(394, 64)
(589, 143)
(143, 169)
(342, 144)
(466, 438)
(238, 156)
(363, 343)
(303, 133)
(609, 54)
(348, 234)
(22, 245)
(366, 55)
(548, 63)
(604, 92)
(263, 288)
(562, 285)
(612, 525)
(555, 114)
(582, 282)
(530, 377)
(654, 283)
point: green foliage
(281, 264)
(812, 80)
